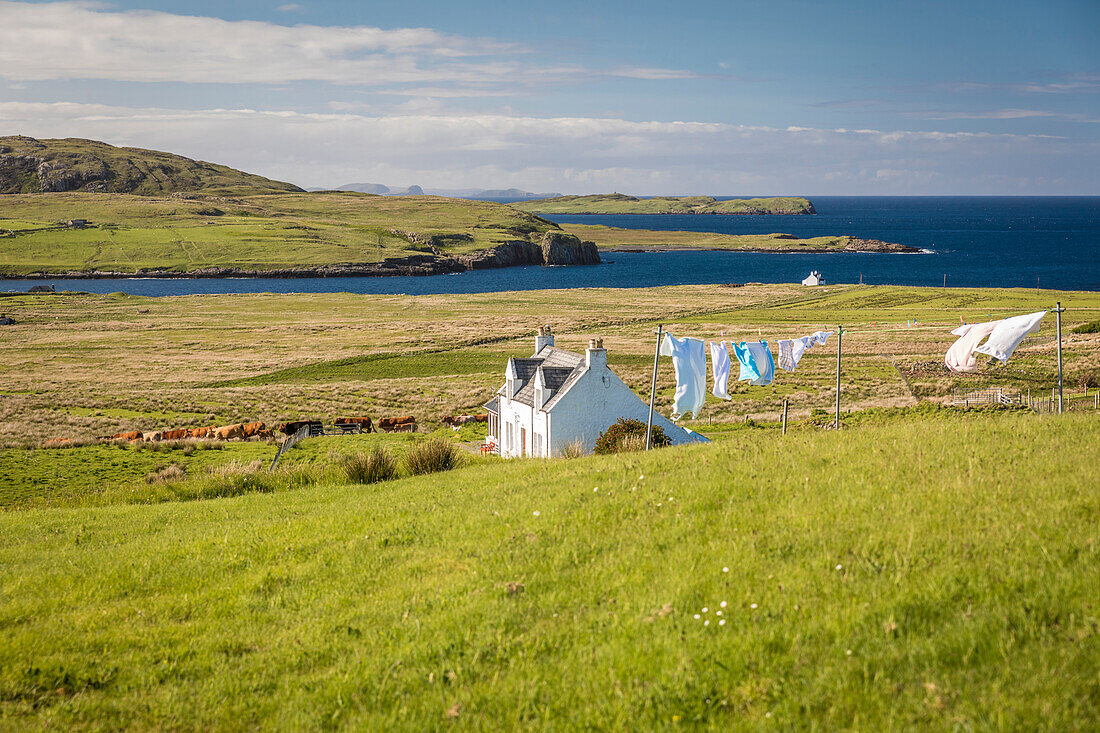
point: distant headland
(618, 203)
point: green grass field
(924, 567)
(613, 238)
(913, 574)
(261, 232)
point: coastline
(427, 265)
(869, 246)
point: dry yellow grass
(82, 366)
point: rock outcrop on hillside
(559, 248)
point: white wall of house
(523, 430)
(596, 401)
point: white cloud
(77, 40)
(1006, 114)
(289, 8)
(82, 40)
(579, 154)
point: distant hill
(507, 194)
(28, 165)
(375, 188)
(617, 203)
(513, 193)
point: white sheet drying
(1009, 333)
(720, 369)
(960, 357)
(689, 359)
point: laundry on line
(1003, 338)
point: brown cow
(252, 429)
(202, 432)
(265, 434)
(178, 434)
(406, 423)
(132, 435)
(229, 432)
(56, 443)
(364, 423)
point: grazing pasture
(925, 567)
(907, 573)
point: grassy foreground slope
(617, 203)
(915, 575)
(28, 165)
(264, 232)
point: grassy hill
(618, 238)
(921, 574)
(617, 203)
(193, 232)
(28, 165)
(925, 567)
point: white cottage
(556, 397)
(814, 278)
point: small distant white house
(814, 278)
(557, 397)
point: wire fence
(290, 442)
(988, 396)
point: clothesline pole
(1058, 313)
(784, 415)
(839, 341)
(653, 389)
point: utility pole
(839, 341)
(653, 389)
(945, 279)
(1058, 311)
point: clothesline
(756, 364)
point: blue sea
(1047, 242)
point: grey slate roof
(525, 368)
(493, 405)
(560, 369)
(554, 377)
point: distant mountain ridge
(380, 189)
(28, 165)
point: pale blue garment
(757, 365)
(765, 365)
(689, 359)
(748, 370)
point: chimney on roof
(595, 357)
(544, 338)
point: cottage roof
(560, 370)
(493, 405)
(554, 377)
(525, 368)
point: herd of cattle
(258, 430)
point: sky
(723, 98)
